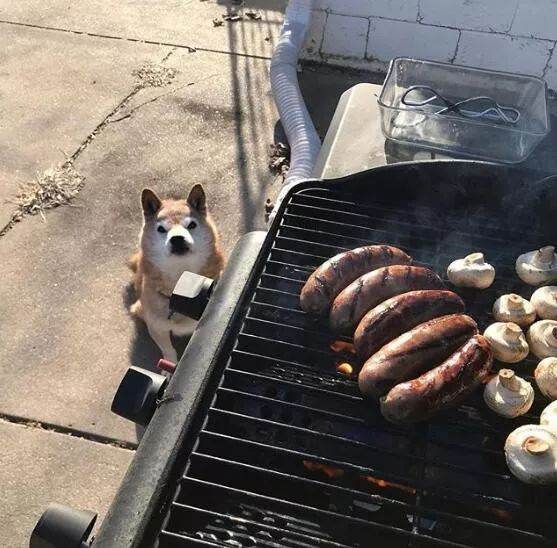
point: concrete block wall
(512, 35)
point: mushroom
(508, 395)
(472, 271)
(513, 308)
(546, 377)
(531, 453)
(548, 418)
(544, 301)
(507, 342)
(538, 267)
(542, 337)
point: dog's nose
(178, 245)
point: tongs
(486, 106)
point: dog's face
(177, 231)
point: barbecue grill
(259, 441)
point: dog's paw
(136, 309)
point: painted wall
(512, 35)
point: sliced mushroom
(546, 377)
(548, 418)
(544, 301)
(507, 342)
(542, 337)
(472, 271)
(513, 308)
(508, 395)
(531, 453)
(538, 267)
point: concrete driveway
(133, 94)
(71, 86)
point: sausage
(414, 353)
(398, 314)
(442, 387)
(375, 287)
(335, 274)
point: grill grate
(289, 454)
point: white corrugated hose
(294, 116)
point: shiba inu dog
(176, 235)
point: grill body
(277, 449)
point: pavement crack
(51, 189)
(189, 48)
(137, 88)
(167, 56)
(153, 99)
(68, 431)
(58, 186)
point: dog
(176, 235)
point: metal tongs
(486, 107)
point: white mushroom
(531, 453)
(548, 418)
(513, 308)
(538, 267)
(472, 271)
(546, 377)
(508, 395)
(544, 301)
(507, 342)
(542, 337)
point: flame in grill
(384, 483)
(345, 368)
(330, 471)
(342, 346)
(502, 515)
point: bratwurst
(335, 274)
(375, 287)
(414, 352)
(440, 388)
(398, 314)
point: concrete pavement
(38, 466)
(66, 336)
(69, 87)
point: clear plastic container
(464, 131)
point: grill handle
(63, 527)
(138, 395)
(191, 295)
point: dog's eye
(193, 224)
(161, 229)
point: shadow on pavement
(143, 351)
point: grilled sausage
(375, 287)
(441, 388)
(335, 274)
(414, 353)
(397, 315)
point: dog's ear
(150, 202)
(197, 200)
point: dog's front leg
(164, 342)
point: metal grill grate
(291, 456)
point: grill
(290, 455)
(283, 452)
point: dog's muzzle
(179, 240)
